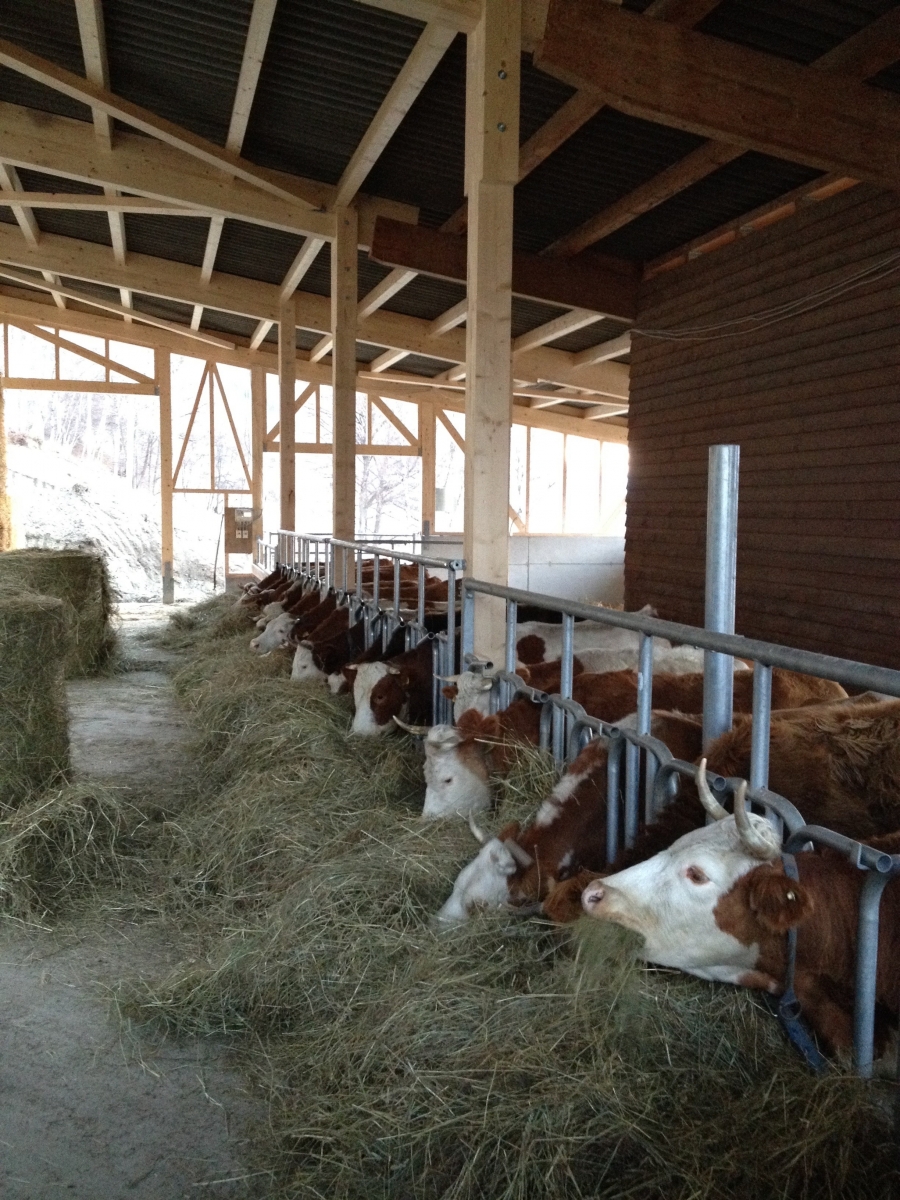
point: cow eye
(695, 875)
(449, 780)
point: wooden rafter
(255, 44)
(717, 89)
(568, 322)
(378, 402)
(101, 360)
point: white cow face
(455, 775)
(671, 899)
(473, 690)
(365, 678)
(480, 885)
(274, 636)
(303, 668)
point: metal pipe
(451, 620)
(867, 972)
(762, 715)
(468, 621)
(509, 658)
(721, 579)
(420, 601)
(613, 771)
(560, 717)
(644, 717)
(397, 588)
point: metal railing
(566, 727)
(326, 562)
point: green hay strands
(34, 732)
(61, 846)
(206, 622)
(80, 579)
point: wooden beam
(605, 351)
(702, 84)
(112, 204)
(662, 187)
(257, 436)
(167, 480)
(343, 370)
(568, 322)
(93, 49)
(681, 12)
(462, 15)
(251, 64)
(427, 446)
(860, 56)
(101, 360)
(566, 121)
(111, 306)
(328, 448)
(449, 320)
(414, 74)
(491, 171)
(62, 146)
(287, 366)
(392, 417)
(606, 286)
(30, 384)
(387, 360)
(384, 291)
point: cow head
(274, 636)
(678, 899)
(483, 883)
(380, 692)
(304, 668)
(455, 774)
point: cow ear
(777, 903)
(511, 831)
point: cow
(250, 591)
(857, 793)
(538, 641)
(398, 687)
(324, 651)
(484, 745)
(718, 904)
(517, 869)
(279, 632)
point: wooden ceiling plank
(714, 88)
(450, 319)
(605, 351)
(387, 360)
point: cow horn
(415, 730)
(707, 799)
(754, 840)
(476, 832)
(522, 857)
(394, 671)
(448, 678)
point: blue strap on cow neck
(787, 1006)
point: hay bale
(61, 846)
(34, 730)
(80, 579)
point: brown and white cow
(400, 687)
(718, 905)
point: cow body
(400, 687)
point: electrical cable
(782, 312)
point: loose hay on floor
(80, 579)
(59, 847)
(34, 728)
(506, 1059)
(204, 622)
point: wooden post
(343, 369)
(492, 166)
(287, 373)
(5, 506)
(257, 434)
(166, 483)
(427, 444)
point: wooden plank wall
(813, 401)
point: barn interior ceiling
(245, 122)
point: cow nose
(591, 897)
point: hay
(61, 847)
(505, 1059)
(207, 621)
(34, 731)
(80, 579)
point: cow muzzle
(592, 897)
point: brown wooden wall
(813, 401)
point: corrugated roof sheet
(48, 28)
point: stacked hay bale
(34, 734)
(504, 1059)
(79, 578)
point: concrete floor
(90, 1109)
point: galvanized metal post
(451, 620)
(644, 711)
(866, 972)
(762, 711)
(721, 578)
(468, 623)
(560, 717)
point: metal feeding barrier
(639, 762)
(337, 565)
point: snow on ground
(62, 501)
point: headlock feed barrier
(335, 565)
(636, 756)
